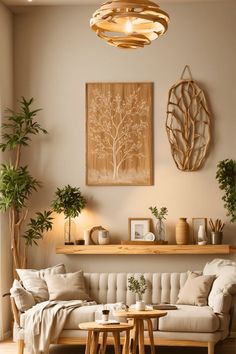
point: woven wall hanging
(188, 123)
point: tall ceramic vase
(182, 232)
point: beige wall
(6, 100)
(57, 53)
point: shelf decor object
(70, 201)
(129, 24)
(199, 229)
(188, 124)
(119, 134)
(139, 228)
(182, 232)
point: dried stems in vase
(217, 225)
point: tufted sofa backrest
(113, 287)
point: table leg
(116, 336)
(135, 336)
(126, 342)
(88, 344)
(150, 331)
(95, 338)
(141, 337)
(104, 343)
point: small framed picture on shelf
(139, 228)
(199, 226)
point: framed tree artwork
(119, 134)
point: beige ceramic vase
(182, 232)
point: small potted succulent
(138, 286)
(69, 200)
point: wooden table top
(132, 313)
(93, 326)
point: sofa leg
(21, 345)
(211, 347)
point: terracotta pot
(182, 232)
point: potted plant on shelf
(160, 215)
(138, 286)
(17, 184)
(69, 200)
(226, 177)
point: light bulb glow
(128, 27)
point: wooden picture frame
(138, 228)
(196, 222)
(119, 134)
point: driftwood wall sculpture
(188, 124)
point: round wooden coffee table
(94, 329)
(138, 318)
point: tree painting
(119, 133)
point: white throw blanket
(44, 323)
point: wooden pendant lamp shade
(129, 24)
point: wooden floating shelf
(143, 249)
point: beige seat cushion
(69, 286)
(34, 280)
(195, 290)
(190, 319)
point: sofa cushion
(68, 286)
(190, 319)
(24, 300)
(195, 290)
(34, 280)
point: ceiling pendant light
(129, 24)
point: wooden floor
(227, 347)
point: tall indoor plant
(226, 177)
(68, 200)
(17, 184)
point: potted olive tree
(17, 184)
(68, 200)
(138, 286)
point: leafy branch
(159, 214)
(68, 200)
(226, 177)
(137, 285)
(36, 227)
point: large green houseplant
(70, 201)
(17, 184)
(226, 177)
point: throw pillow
(225, 270)
(69, 286)
(24, 300)
(34, 280)
(195, 290)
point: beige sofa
(194, 326)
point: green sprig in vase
(160, 229)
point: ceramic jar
(182, 232)
(103, 237)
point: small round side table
(138, 318)
(94, 329)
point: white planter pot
(140, 305)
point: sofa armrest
(221, 303)
(15, 311)
(233, 317)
